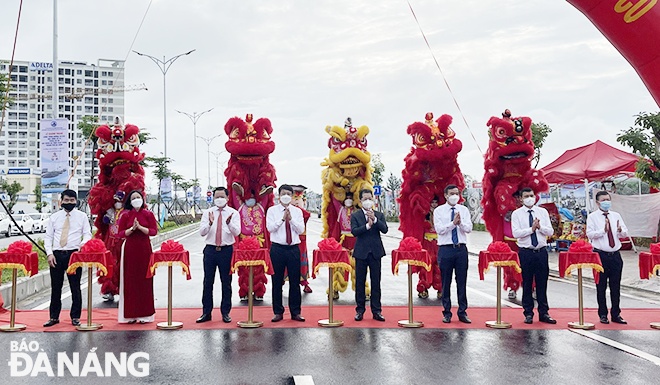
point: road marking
(592, 286)
(67, 293)
(494, 298)
(303, 380)
(618, 345)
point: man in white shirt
(285, 223)
(452, 223)
(531, 225)
(220, 225)
(601, 225)
(66, 231)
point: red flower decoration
(20, 247)
(499, 247)
(410, 244)
(329, 244)
(655, 248)
(93, 246)
(581, 246)
(249, 243)
(171, 246)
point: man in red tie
(285, 224)
(601, 225)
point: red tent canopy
(595, 161)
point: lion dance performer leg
(252, 179)
(431, 165)
(508, 169)
(347, 171)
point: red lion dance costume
(119, 159)
(252, 179)
(508, 168)
(348, 170)
(431, 165)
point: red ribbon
(171, 246)
(248, 243)
(329, 244)
(93, 246)
(581, 246)
(20, 247)
(499, 247)
(410, 244)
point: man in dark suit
(366, 226)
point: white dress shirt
(596, 230)
(276, 227)
(522, 230)
(79, 231)
(229, 231)
(444, 224)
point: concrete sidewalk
(479, 240)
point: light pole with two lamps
(194, 117)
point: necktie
(535, 240)
(218, 229)
(454, 232)
(289, 237)
(64, 237)
(610, 236)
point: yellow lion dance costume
(348, 170)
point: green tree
(540, 132)
(38, 204)
(12, 191)
(379, 170)
(393, 182)
(161, 171)
(644, 139)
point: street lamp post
(217, 168)
(208, 152)
(194, 118)
(164, 66)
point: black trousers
(221, 260)
(534, 264)
(57, 281)
(361, 265)
(613, 266)
(285, 257)
(454, 258)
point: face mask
(529, 201)
(348, 202)
(605, 205)
(220, 202)
(68, 206)
(286, 199)
(137, 203)
(118, 205)
(453, 199)
(250, 202)
(367, 204)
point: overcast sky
(307, 64)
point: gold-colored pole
(169, 295)
(330, 322)
(498, 324)
(581, 324)
(89, 326)
(13, 327)
(410, 323)
(250, 323)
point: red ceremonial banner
(254, 257)
(26, 262)
(491, 258)
(649, 265)
(337, 259)
(569, 260)
(99, 260)
(414, 258)
(169, 258)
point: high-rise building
(84, 90)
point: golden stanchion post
(13, 326)
(89, 326)
(581, 324)
(498, 324)
(169, 325)
(250, 323)
(330, 322)
(410, 323)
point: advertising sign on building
(54, 155)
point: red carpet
(638, 319)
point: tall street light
(164, 66)
(217, 167)
(194, 118)
(208, 152)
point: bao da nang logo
(27, 358)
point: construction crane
(82, 92)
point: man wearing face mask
(531, 225)
(285, 223)
(601, 225)
(452, 224)
(66, 231)
(220, 225)
(366, 226)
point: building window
(32, 163)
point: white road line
(303, 380)
(67, 293)
(494, 298)
(592, 286)
(618, 345)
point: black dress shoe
(359, 316)
(464, 319)
(379, 317)
(51, 322)
(277, 318)
(75, 322)
(619, 320)
(298, 317)
(529, 319)
(204, 318)
(446, 319)
(226, 318)
(604, 320)
(547, 319)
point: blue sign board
(18, 171)
(376, 190)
